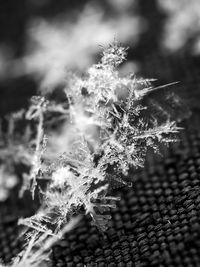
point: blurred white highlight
(54, 47)
(182, 24)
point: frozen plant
(109, 130)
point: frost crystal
(104, 130)
(107, 131)
(38, 246)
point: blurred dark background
(157, 223)
(24, 44)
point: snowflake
(107, 127)
(106, 130)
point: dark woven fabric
(157, 221)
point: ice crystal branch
(36, 111)
(38, 247)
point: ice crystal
(38, 247)
(107, 128)
(36, 111)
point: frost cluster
(38, 246)
(106, 129)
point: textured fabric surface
(157, 221)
